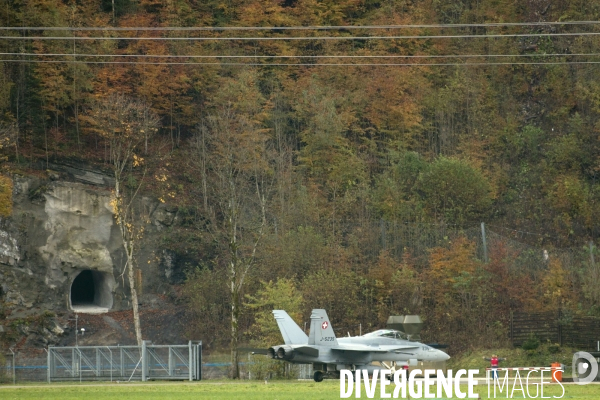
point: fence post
(170, 361)
(485, 253)
(144, 362)
(191, 360)
(49, 365)
(13, 367)
(121, 360)
(111, 362)
(195, 351)
(98, 362)
(200, 360)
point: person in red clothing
(494, 364)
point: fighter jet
(330, 355)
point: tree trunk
(134, 300)
(235, 311)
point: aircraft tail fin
(291, 332)
(321, 332)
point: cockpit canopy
(388, 333)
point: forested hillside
(352, 174)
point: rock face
(61, 252)
(61, 249)
(9, 251)
(58, 230)
(81, 237)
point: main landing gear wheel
(318, 376)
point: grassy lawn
(244, 390)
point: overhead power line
(468, 64)
(301, 56)
(289, 28)
(259, 38)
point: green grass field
(244, 390)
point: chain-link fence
(125, 363)
(25, 366)
(32, 365)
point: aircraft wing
(373, 349)
(308, 350)
(252, 350)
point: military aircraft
(329, 355)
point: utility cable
(474, 64)
(301, 56)
(288, 28)
(205, 38)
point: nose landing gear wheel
(318, 376)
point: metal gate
(126, 363)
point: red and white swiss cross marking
(324, 325)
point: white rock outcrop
(79, 223)
(9, 250)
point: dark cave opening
(83, 288)
(92, 289)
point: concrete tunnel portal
(91, 292)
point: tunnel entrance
(82, 289)
(91, 292)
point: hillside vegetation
(359, 189)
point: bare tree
(125, 123)
(234, 157)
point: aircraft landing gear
(318, 376)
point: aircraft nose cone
(441, 356)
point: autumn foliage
(6, 192)
(357, 188)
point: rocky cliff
(61, 253)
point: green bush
(554, 348)
(531, 343)
(454, 189)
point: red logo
(324, 325)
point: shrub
(531, 343)
(554, 348)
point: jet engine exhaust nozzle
(285, 353)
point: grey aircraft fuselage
(329, 354)
(373, 348)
